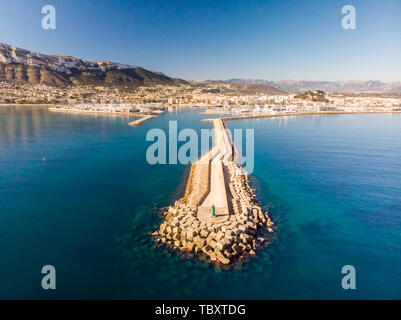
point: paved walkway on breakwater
(217, 196)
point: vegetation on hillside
(129, 77)
(317, 95)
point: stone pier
(217, 196)
(239, 226)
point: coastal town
(216, 98)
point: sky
(220, 39)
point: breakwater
(141, 120)
(137, 122)
(218, 218)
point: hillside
(20, 66)
(317, 95)
(239, 88)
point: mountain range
(20, 66)
(328, 86)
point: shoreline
(123, 114)
(218, 218)
(137, 122)
(26, 104)
(142, 117)
(254, 116)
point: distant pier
(143, 117)
(139, 121)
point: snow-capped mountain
(22, 66)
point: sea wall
(139, 121)
(242, 231)
(198, 185)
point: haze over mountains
(328, 86)
(20, 66)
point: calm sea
(77, 193)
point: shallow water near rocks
(76, 192)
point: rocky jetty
(246, 229)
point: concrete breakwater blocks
(232, 235)
(226, 242)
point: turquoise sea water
(76, 192)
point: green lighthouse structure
(213, 211)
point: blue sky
(220, 39)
